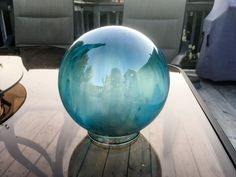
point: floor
(220, 99)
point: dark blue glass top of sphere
(113, 81)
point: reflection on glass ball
(113, 81)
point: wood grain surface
(220, 100)
(42, 140)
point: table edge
(231, 152)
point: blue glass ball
(113, 81)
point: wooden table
(42, 140)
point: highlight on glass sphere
(113, 81)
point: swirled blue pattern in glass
(113, 81)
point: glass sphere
(113, 81)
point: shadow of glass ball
(137, 159)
